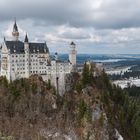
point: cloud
(76, 13)
(67, 34)
(101, 26)
(8, 32)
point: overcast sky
(96, 26)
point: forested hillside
(94, 109)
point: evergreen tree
(87, 74)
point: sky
(96, 26)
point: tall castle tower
(15, 32)
(27, 56)
(72, 53)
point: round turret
(72, 53)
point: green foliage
(133, 91)
(14, 91)
(84, 112)
(123, 112)
(88, 114)
(4, 81)
(101, 119)
(78, 86)
(87, 74)
(34, 88)
(2, 137)
(49, 86)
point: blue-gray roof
(18, 47)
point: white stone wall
(24, 65)
(4, 61)
(60, 70)
(72, 55)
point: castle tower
(27, 58)
(72, 53)
(15, 32)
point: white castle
(23, 59)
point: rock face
(117, 135)
(55, 134)
(88, 90)
(69, 80)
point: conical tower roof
(26, 39)
(15, 28)
(72, 43)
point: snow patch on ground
(109, 60)
(118, 71)
(124, 83)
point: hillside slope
(94, 109)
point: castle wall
(23, 59)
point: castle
(22, 59)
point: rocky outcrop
(55, 134)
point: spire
(15, 32)
(26, 38)
(15, 26)
(72, 43)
